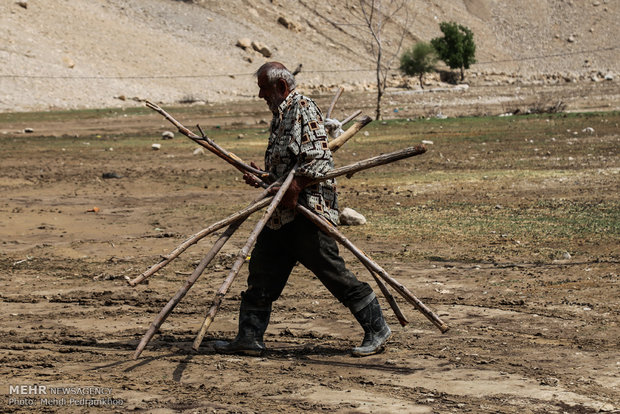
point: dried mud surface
(525, 337)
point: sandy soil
(525, 337)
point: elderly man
(298, 135)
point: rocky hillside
(85, 53)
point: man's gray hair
(274, 73)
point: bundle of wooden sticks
(271, 202)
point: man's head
(275, 82)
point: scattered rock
(240, 136)
(427, 142)
(289, 24)
(108, 175)
(198, 151)
(588, 130)
(350, 217)
(156, 147)
(167, 135)
(244, 43)
(571, 39)
(28, 130)
(566, 256)
(550, 381)
(609, 77)
(68, 62)
(261, 48)
(23, 3)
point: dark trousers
(277, 251)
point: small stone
(68, 62)
(289, 24)
(427, 142)
(566, 256)
(167, 135)
(198, 151)
(571, 39)
(23, 3)
(28, 130)
(588, 130)
(240, 136)
(350, 217)
(156, 147)
(244, 43)
(261, 48)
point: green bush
(418, 60)
(456, 47)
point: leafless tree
(378, 17)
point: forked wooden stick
(207, 143)
(330, 229)
(241, 257)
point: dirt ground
(527, 335)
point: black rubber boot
(376, 330)
(249, 340)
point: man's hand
(250, 179)
(292, 194)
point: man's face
(270, 93)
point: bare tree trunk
(379, 95)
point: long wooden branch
(382, 159)
(239, 215)
(335, 144)
(400, 288)
(351, 117)
(389, 297)
(207, 143)
(334, 100)
(241, 257)
(166, 310)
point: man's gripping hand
(292, 193)
(250, 179)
